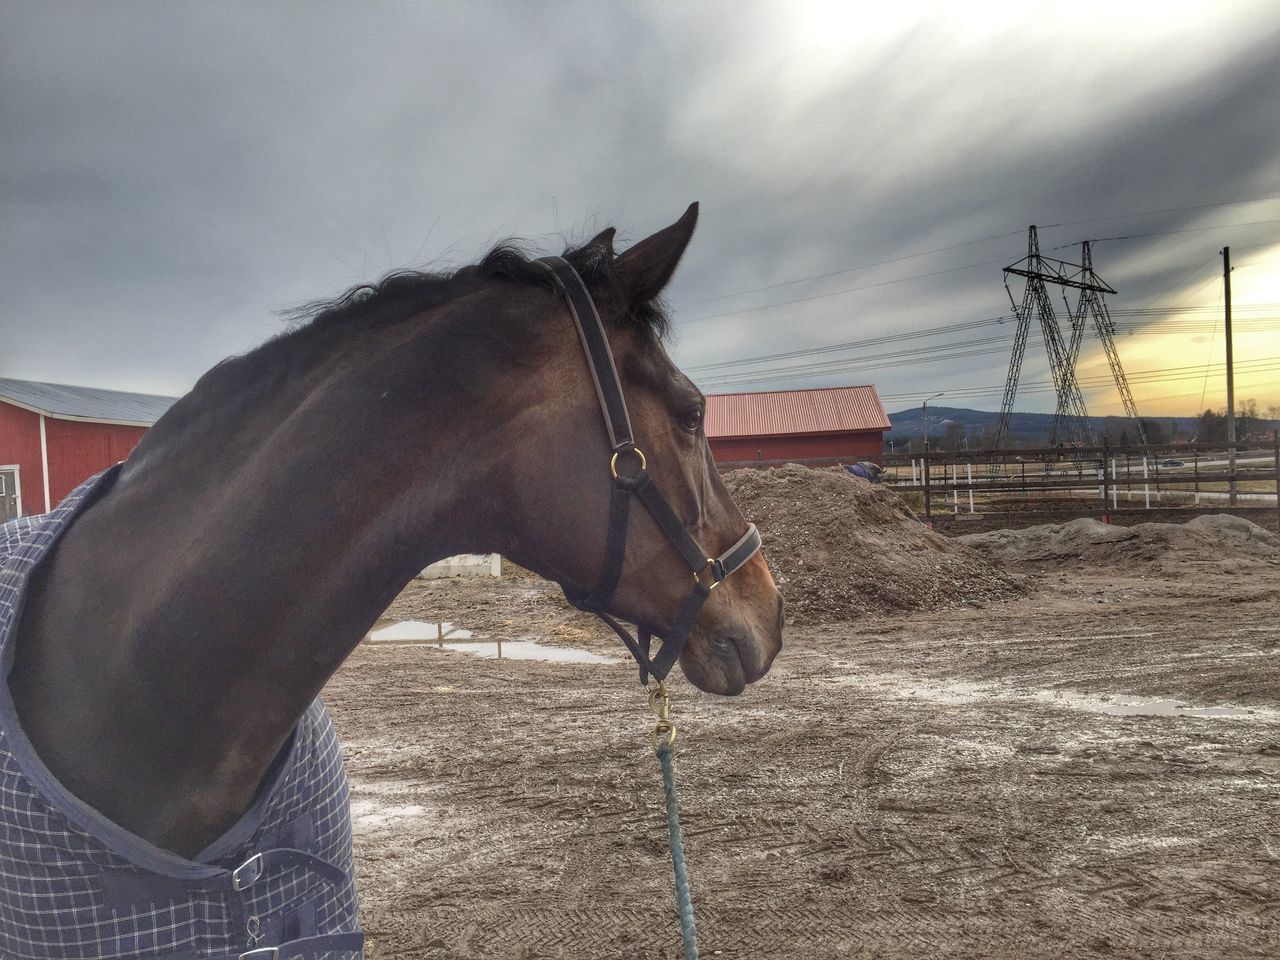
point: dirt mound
(840, 547)
(1228, 542)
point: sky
(174, 176)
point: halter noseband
(708, 572)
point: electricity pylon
(1071, 417)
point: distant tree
(952, 435)
(1248, 423)
(1124, 437)
(1155, 431)
(1212, 427)
(984, 439)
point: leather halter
(708, 572)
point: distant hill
(1025, 429)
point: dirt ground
(964, 783)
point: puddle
(1150, 707)
(1120, 705)
(418, 631)
(370, 815)
(449, 636)
(953, 691)
(529, 650)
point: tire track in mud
(836, 819)
(807, 930)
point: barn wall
(844, 447)
(79, 450)
(20, 444)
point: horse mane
(402, 293)
(320, 327)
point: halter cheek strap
(631, 479)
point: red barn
(53, 436)
(827, 426)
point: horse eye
(691, 419)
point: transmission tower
(1071, 418)
(1091, 304)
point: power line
(1170, 233)
(850, 344)
(840, 293)
(854, 268)
(1152, 213)
(1156, 375)
(712, 371)
(966, 243)
(970, 242)
(867, 364)
(925, 276)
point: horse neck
(258, 555)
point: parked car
(1172, 463)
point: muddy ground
(971, 783)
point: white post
(1146, 487)
(44, 464)
(914, 480)
(955, 490)
(969, 472)
(1115, 493)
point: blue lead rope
(688, 930)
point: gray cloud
(172, 176)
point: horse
(168, 639)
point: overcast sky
(173, 175)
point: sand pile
(840, 547)
(1230, 543)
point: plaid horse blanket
(75, 886)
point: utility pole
(925, 418)
(1231, 378)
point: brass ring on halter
(613, 461)
(667, 729)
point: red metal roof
(790, 412)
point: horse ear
(604, 241)
(647, 267)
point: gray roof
(85, 403)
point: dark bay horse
(186, 620)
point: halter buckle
(718, 575)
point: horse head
(558, 494)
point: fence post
(1275, 448)
(1146, 487)
(1106, 449)
(969, 472)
